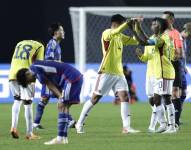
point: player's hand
(139, 52)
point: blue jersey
(53, 51)
(56, 72)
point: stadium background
(30, 20)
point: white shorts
(19, 91)
(163, 86)
(106, 82)
(150, 83)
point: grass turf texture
(103, 130)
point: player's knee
(167, 99)
(27, 102)
(45, 100)
(95, 99)
(17, 98)
(175, 93)
(157, 99)
(151, 101)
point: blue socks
(39, 112)
(63, 124)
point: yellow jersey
(164, 53)
(26, 52)
(112, 47)
(148, 57)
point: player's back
(25, 53)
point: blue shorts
(72, 91)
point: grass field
(103, 131)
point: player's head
(57, 31)
(158, 25)
(24, 77)
(169, 16)
(186, 30)
(117, 20)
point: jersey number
(23, 52)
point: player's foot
(150, 130)
(177, 127)
(14, 133)
(79, 129)
(72, 124)
(37, 126)
(130, 130)
(170, 129)
(55, 141)
(32, 137)
(162, 128)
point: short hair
(163, 23)
(187, 27)
(118, 18)
(170, 13)
(53, 28)
(21, 77)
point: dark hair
(53, 28)
(170, 13)
(118, 18)
(21, 77)
(163, 23)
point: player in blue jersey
(53, 52)
(64, 81)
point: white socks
(86, 108)
(125, 115)
(29, 118)
(154, 118)
(171, 114)
(15, 113)
(160, 112)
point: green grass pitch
(103, 130)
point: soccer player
(26, 52)
(64, 81)
(111, 72)
(161, 55)
(186, 33)
(178, 43)
(53, 52)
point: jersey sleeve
(145, 56)
(39, 72)
(110, 33)
(129, 40)
(50, 50)
(40, 53)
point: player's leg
(160, 110)
(177, 90)
(45, 94)
(15, 90)
(71, 96)
(103, 86)
(27, 95)
(121, 88)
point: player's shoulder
(52, 44)
(107, 30)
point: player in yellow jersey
(26, 52)
(111, 75)
(164, 73)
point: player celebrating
(25, 53)
(64, 81)
(163, 72)
(111, 72)
(53, 52)
(178, 43)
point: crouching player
(64, 81)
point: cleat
(79, 129)
(14, 133)
(72, 124)
(170, 129)
(38, 126)
(55, 141)
(151, 130)
(33, 137)
(161, 129)
(129, 130)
